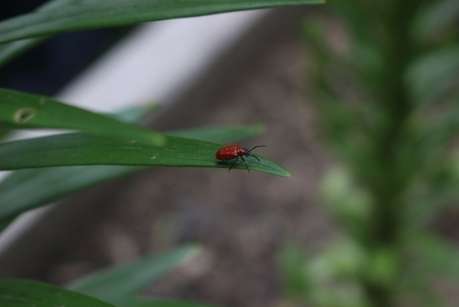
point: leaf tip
(284, 173)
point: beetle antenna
(256, 146)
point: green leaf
(4, 131)
(26, 293)
(161, 303)
(24, 110)
(220, 135)
(26, 189)
(93, 14)
(9, 50)
(4, 223)
(80, 149)
(118, 284)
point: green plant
(81, 157)
(387, 103)
(118, 286)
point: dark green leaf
(26, 293)
(27, 189)
(220, 135)
(116, 285)
(6, 222)
(32, 111)
(10, 50)
(93, 14)
(4, 131)
(80, 149)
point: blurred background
(340, 90)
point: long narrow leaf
(118, 284)
(92, 14)
(23, 110)
(26, 189)
(26, 293)
(219, 135)
(80, 149)
(9, 50)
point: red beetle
(233, 153)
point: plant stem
(388, 190)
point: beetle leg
(245, 163)
(232, 164)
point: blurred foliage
(26, 293)
(387, 92)
(120, 285)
